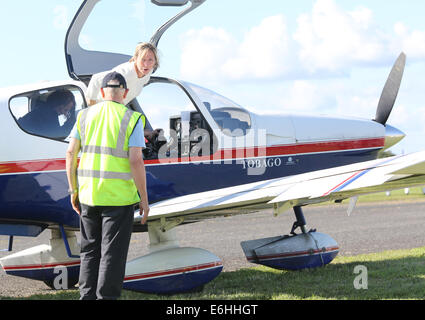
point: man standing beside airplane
(110, 174)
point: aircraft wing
(284, 193)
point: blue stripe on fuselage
(43, 197)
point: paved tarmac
(370, 228)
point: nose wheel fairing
(293, 252)
(302, 251)
(172, 270)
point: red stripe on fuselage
(41, 266)
(32, 166)
(223, 154)
(280, 150)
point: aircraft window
(49, 113)
(232, 119)
(185, 131)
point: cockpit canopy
(231, 118)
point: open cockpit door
(82, 63)
(194, 4)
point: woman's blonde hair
(141, 48)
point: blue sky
(309, 56)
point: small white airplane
(219, 160)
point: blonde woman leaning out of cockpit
(136, 72)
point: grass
(395, 195)
(396, 274)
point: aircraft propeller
(390, 91)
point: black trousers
(105, 238)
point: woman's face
(145, 62)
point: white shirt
(134, 83)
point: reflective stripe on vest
(104, 174)
(100, 162)
(118, 151)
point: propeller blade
(390, 91)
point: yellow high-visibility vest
(104, 174)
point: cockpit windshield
(232, 119)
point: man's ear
(125, 93)
(102, 92)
